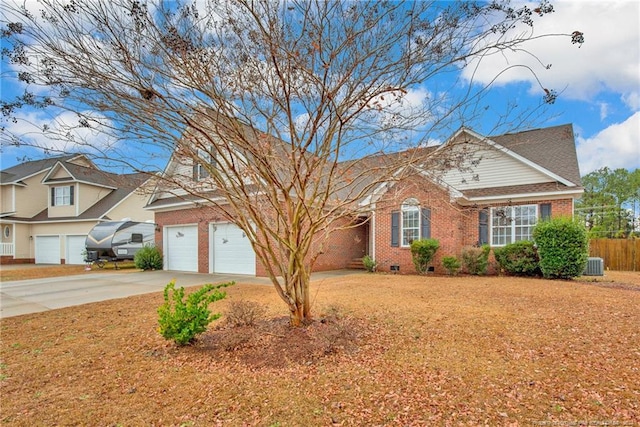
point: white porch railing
(6, 249)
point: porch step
(355, 264)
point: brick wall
(338, 250)
(446, 224)
(559, 208)
(342, 246)
(454, 226)
(8, 260)
(201, 216)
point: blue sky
(598, 83)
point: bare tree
(296, 110)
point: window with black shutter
(483, 227)
(395, 229)
(545, 211)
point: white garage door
(47, 249)
(75, 249)
(181, 248)
(232, 251)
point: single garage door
(75, 249)
(47, 249)
(181, 248)
(232, 251)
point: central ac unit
(595, 267)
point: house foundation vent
(595, 267)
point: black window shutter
(545, 211)
(395, 228)
(425, 225)
(483, 226)
(53, 196)
(71, 195)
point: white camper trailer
(118, 240)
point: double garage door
(230, 251)
(47, 249)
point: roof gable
(551, 148)
(126, 186)
(524, 159)
(71, 172)
(537, 163)
(16, 173)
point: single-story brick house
(511, 182)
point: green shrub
(563, 247)
(451, 264)
(476, 259)
(422, 252)
(369, 263)
(519, 258)
(182, 320)
(148, 258)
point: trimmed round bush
(563, 248)
(422, 252)
(148, 258)
(451, 264)
(518, 258)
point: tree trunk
(300, 308)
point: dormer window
(62, 196)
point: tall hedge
(563, 247)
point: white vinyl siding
(494, 169)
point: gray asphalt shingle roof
(26, 169)
(122, 185)
(552, 148)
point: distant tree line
(610, 205)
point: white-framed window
(512, 223)
(6, 232)
(410, 221)
(62, 196)
(200, 171)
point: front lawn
(385, 350)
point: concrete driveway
(35, 295)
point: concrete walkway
(36, 295)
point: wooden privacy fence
(618, 254)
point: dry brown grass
(31, 271)
(393, 350)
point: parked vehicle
(118, 240)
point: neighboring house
(47, 207)
(508, 184)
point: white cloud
(604, 110)
(632, 100)
(60, 133)
(617, 146)
(609, 59)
